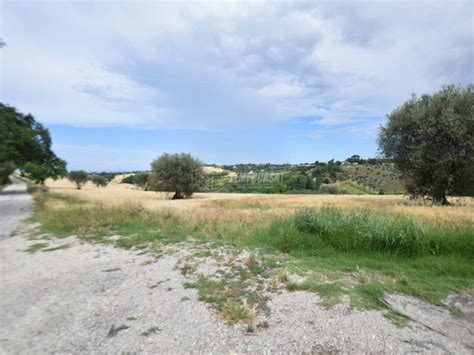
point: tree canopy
(431, 141)
(79, 177)
(26, 145)
(98, 180)
(178, 173)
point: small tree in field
(79, 177)
(431, 141)
(99, 180)
(178, 173)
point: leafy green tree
(431, 141)
(26, 145)
(79, 177)
(55, 169)
(178, 173)
(297, 181)
(98, 180)
(6, 169)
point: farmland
(252, 207)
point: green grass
(331, 230)
(362, 254)
(33, 248)
(95, 223)
(150, 331)
(59, 247)
(373, 178)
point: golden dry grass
(222, 207)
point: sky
(120, 82)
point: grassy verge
(356, 253)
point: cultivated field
(250, 207)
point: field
(347, 248)
(257, 207)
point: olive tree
(178, 173)
(98, 180)
(431, 141)
(79, 177)
(25, 144)
(55, 169)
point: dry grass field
(258, 207)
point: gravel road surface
(15, 204)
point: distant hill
(370, 176)
(374, 178)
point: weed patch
(33, 248)
(150, 331)
(60, 247)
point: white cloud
(215, 65)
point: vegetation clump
(331, 230)
(26, 145)
(79, 177)
(431, 141)
(142, 180)
(98, 180)
(178, 173)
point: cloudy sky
(120, 82)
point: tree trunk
(440, 200)
(177, 196)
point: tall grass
(330, 229)
(64, 216)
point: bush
(141, 180)
(329, 189)
(305, 220)
(98, 180)
(129, 180)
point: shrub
(234, 311)
(98, 180)
(329, 189)
(141, 180)
(129, 180)
(305, 220)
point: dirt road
(69, 296)
(15, 204)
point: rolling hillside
(374, 178)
